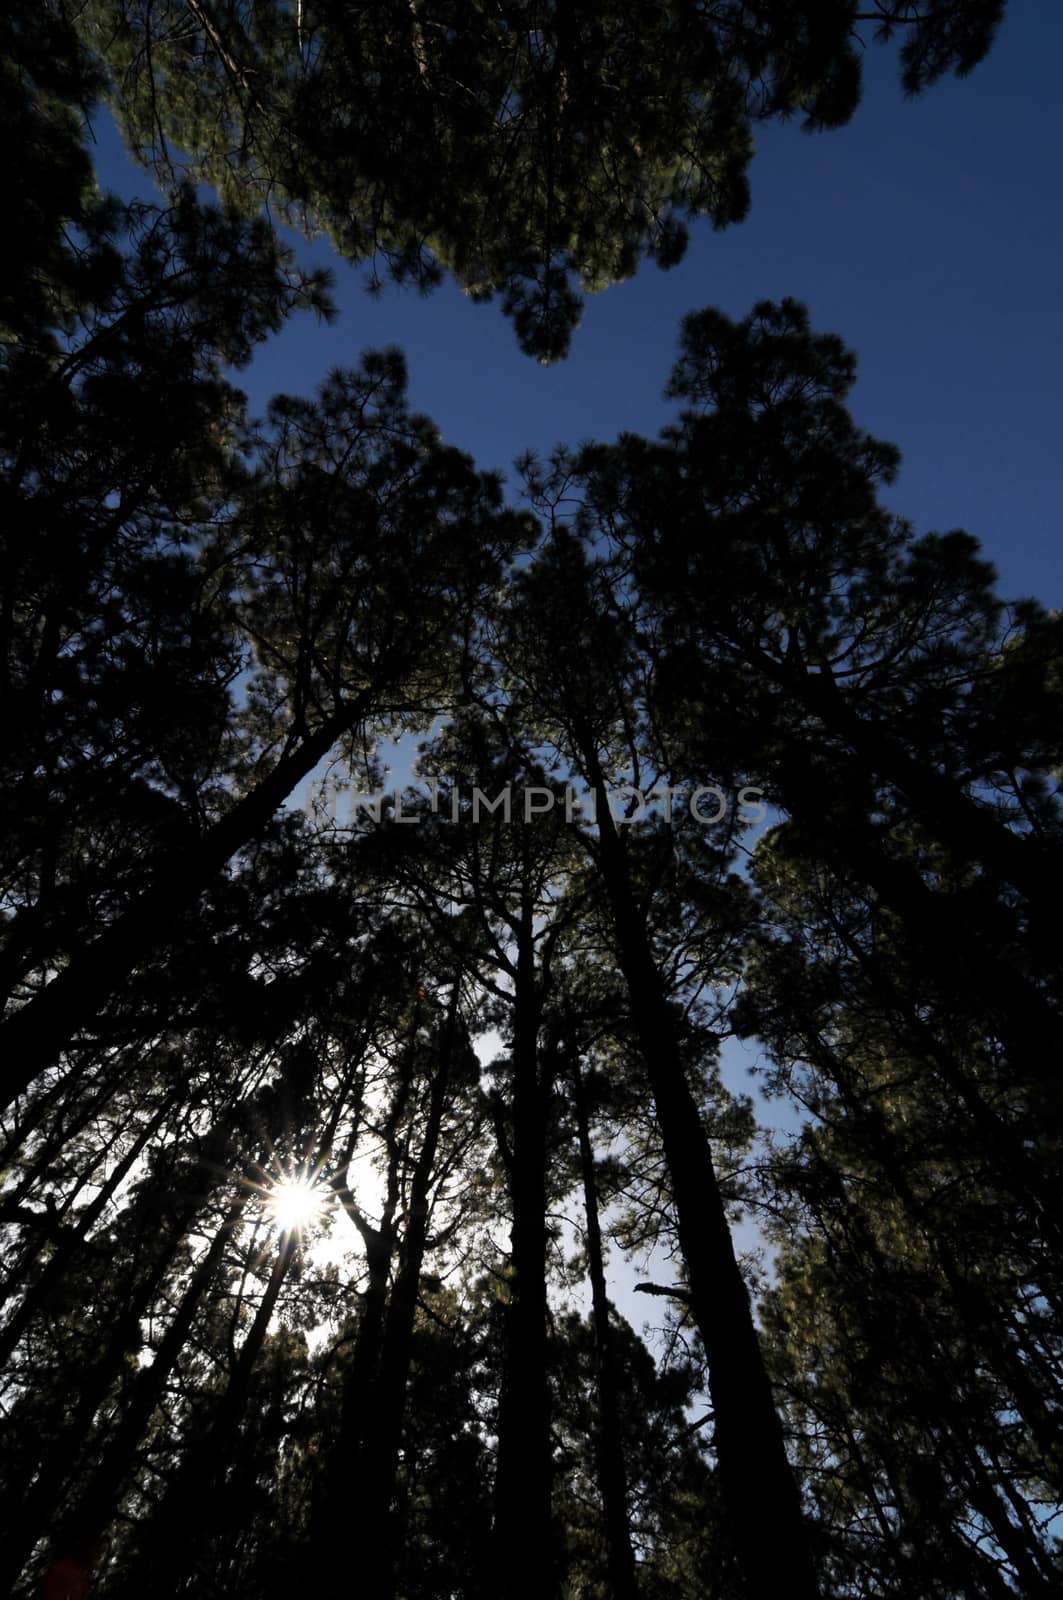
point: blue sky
(928, 233)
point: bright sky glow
(294, 1203)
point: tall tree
(574, 661)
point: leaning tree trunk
(36, 1298)
(33, 1037)
(95, 1508)
(59, 1459)
(196, 1498)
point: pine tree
(209, 995)
(536, 152)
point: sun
(294, 1203)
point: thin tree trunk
(612, 1475)
(61, 1458)
(74, 1237)
(378, 1462)
(336, 1495)
(196, 1498)
(524, 1555)
(96, 1506)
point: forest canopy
(538, 151)
(322, 1124)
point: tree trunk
(96, 1506)
(524, 1557)
(337, 1496)
(196, 1498)
(36, 1298)
(378, 1462)
(759, 1491)
(612, 1475)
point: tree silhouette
(478, 1027)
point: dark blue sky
(928, 234)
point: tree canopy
(537, 151)
(325, 1127)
